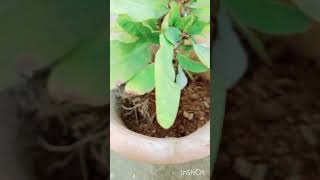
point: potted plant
(159, 52)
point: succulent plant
(171, 29)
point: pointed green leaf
(310, 7)
(127, 60)
(197, 27)
(191, 65)
(118, 33)
(152, 24)
(81, 76)
(165, 21)
(167, 91)
(173, 35)
(143, 82)
(137, 29)
(268, 16)
(175, 12)
(185, 22)
(140, 10)
(203, 53)
(181, 78)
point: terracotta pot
(156, 150)
(15, 160)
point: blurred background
(43, 131)
(272, 124)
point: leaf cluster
(152, 49)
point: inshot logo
(192, 172)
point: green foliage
(268, 16)
(203, 53)
(81, 75)
(159, 23)
(181, 78)
(143, 82)
(173, 35)
(167, 91)
(310, 7)
(140, 10)
(191, 65)
(174, 13)
(128, 60)
(35, 33)
(202, 8)
(185, 22)
(138, 29)
(218, 91)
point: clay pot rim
(156, 150)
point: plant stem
(189, 75)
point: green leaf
(117, 33)
(81, 77)
(191, 65)
(201, 8)
(137, 29)
(181, 78)
(167, 91)
(152, 24)
(231, 64)
(268, 16)
(143, 82)
(186, 48)
(127, 60)
(173, 35)
(165, 21)
(310, 7)
(218, 92)
(203, 53)
(175, 12)
(185, 22)
(140, 10)
(34, 34)
(197, 27)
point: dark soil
(194, 112)
(70, 138)
(272, 125)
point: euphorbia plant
(168, 28)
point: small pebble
(206, 104)
(194, 96)
(188, 115)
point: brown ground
(194, 112)
(272, 125)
